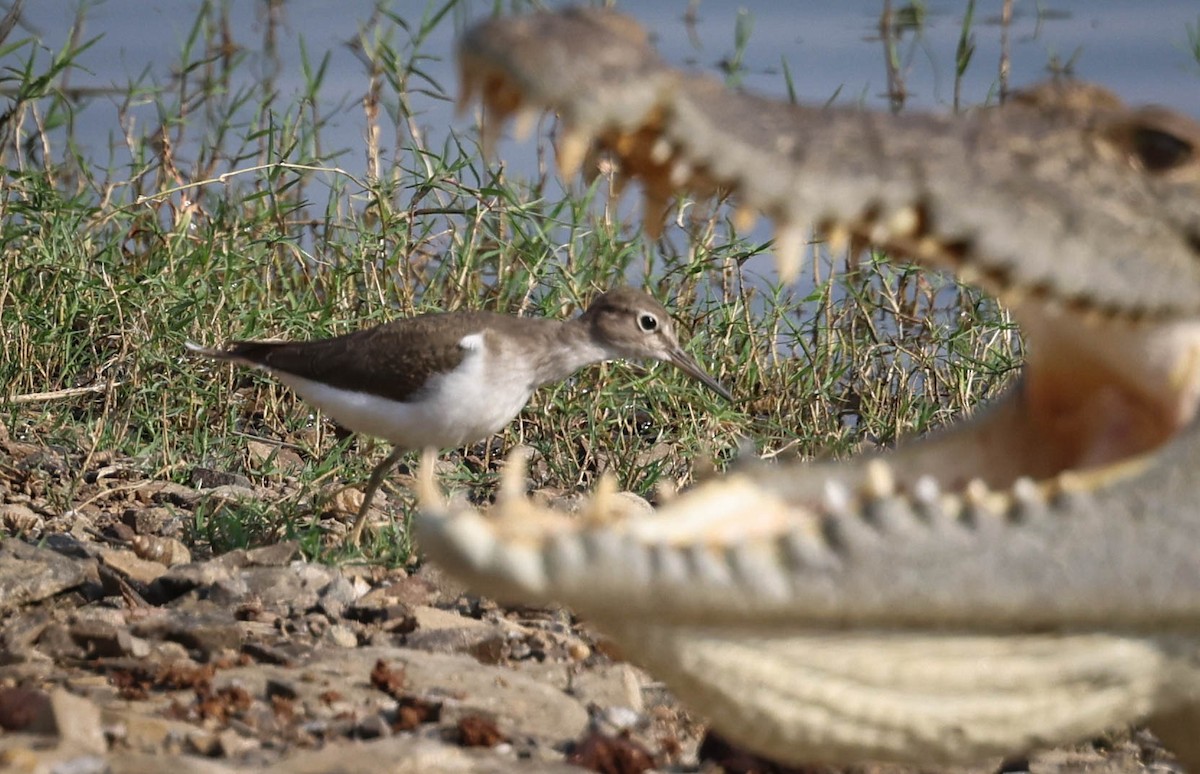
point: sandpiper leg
(376, 479)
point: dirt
(126, 647)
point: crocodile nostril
(1160, 151)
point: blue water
(1138, 49)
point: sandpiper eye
(648, 323)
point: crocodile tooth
(668, 565)
(523, 564)
(498, 105)
(513, 476)
(929, 249)
(926, 490)
(744, 217)
(880, 481)
(661, 151)
(904, 222)
(976, 493)
(429, 495)
(789, 242)
(565, 555)
(1026, 491)
(489, 134)
(472, 537)
(1093, 315)
(654, 213)
(759, 570)
(708, 567)
(801, 551)
(681, 173)
(572, 148)
(602, 547)
(468, 87)
(969, 274)
(602, 507)
(837, 239)
(836, 499)
(1012, 295)
(526, 122)
(1027, 499)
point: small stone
(204, 630)
(76, 721)
(18, 519)
(203, 743)
(336, 596)
(168, 492)
(342, 636)
(621, 719)
(345, 499)
(231, 744)
(478, 731)
(578, 650)
(100, 639)
(57, 643)
(82, 764)
(148, 521)
(268, 457)
(610, 753)
(183, 578)
(372, 727)
(278, 687)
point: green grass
(110, 266)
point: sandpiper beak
(684, 362)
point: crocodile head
(1023, 578)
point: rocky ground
(120, 651)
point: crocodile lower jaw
(735, 592)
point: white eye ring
(648, 323)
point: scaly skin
(1026, 578)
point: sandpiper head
(631, 324)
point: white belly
(463, 406)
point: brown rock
(274, 555)
(156, 520)
(478, 731)
(131, 566)
(410, 755)
(611, 755)
(20, 707)
(19, 519)
(168, 492)
(30, 574)
(268, 457)
(207, 478)
(76, 722)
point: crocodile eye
(648, 323)
(1160, 151)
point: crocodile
(1025, 577)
